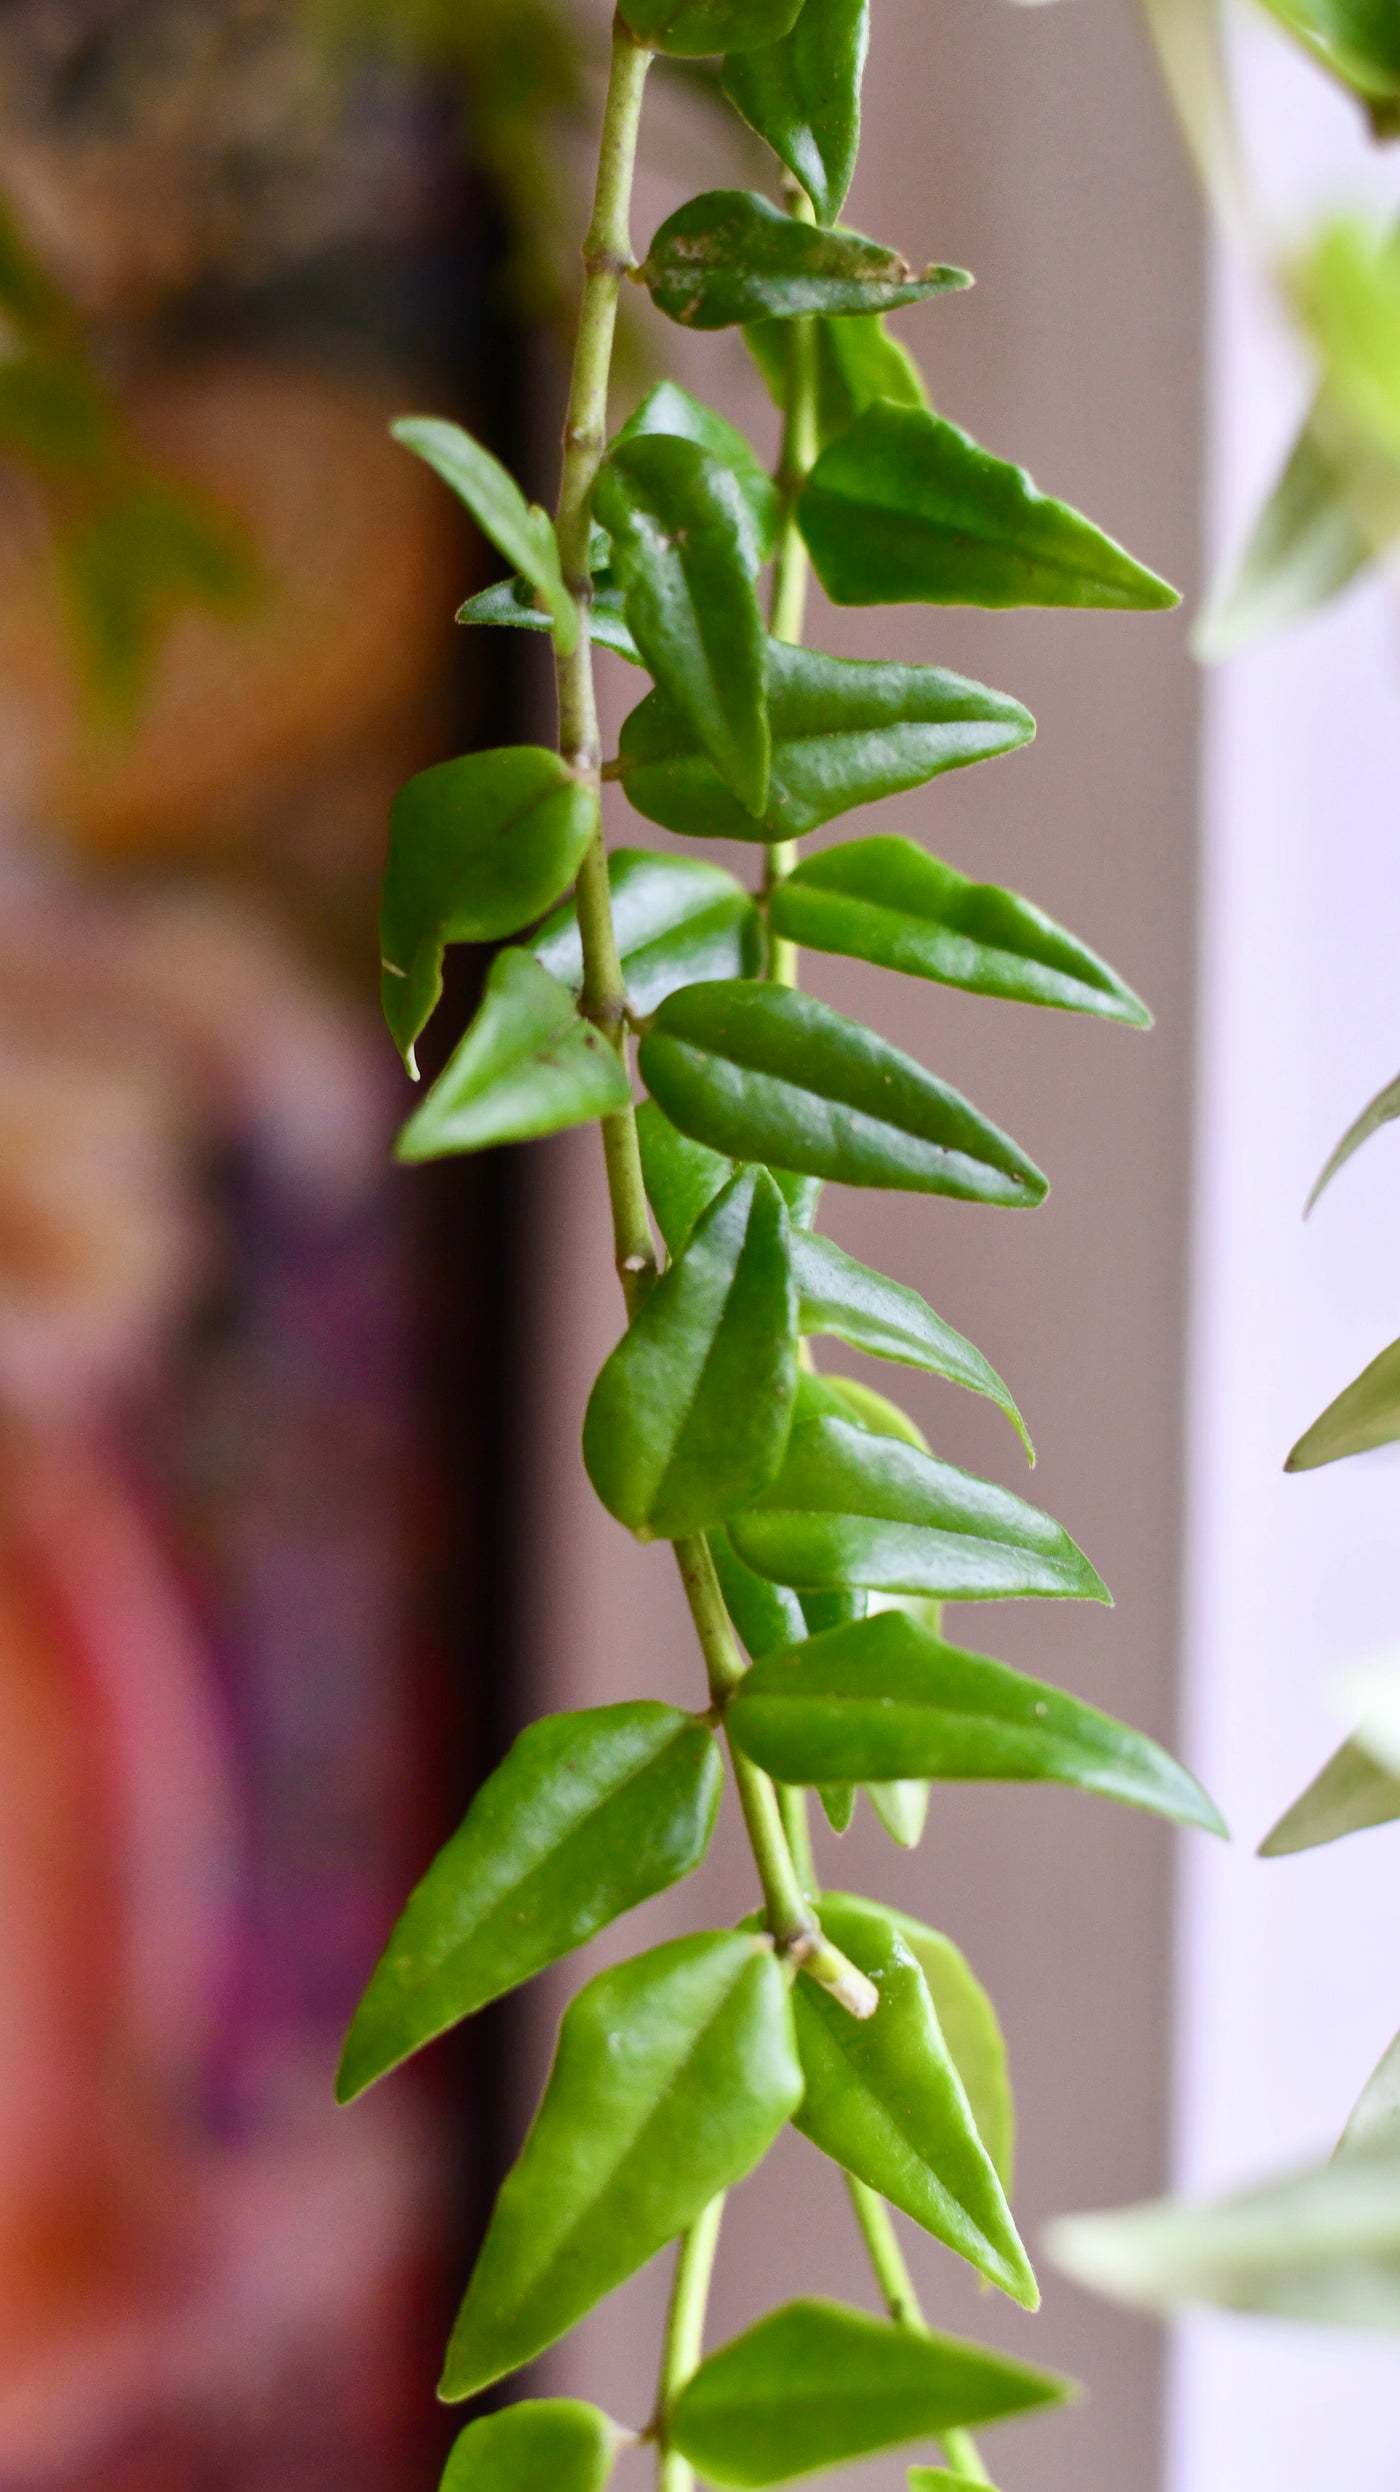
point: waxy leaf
(802, 95)
(512, 602)
(1382, 1110)
(518, 529)
(857, 362)
(690, 1415)
(767, 1616)
(1353, 1791)
(526, 1066)
(766, 1073)
(1365, 1415)
(886, 2102)
(682, 541)
(815, 2384)
(729, 257)
(682, 1176)
(556, 2441)
(906, 507)
(973, 2035)
(852, 1303)
(670, 409)
(902, 1808)
(885, 1697)
(691, 28)
(478, 848)
(589, 1814)
(673, 2076)
(886, 900)
(845, 731)
(676, 919)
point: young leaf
(852, 1303)
(902, 1808)
(857, 362)
(1352, 1792)
(973, 2034)
(885, 1698)
(518, 529)
(838, 1801)
(815, 2384)
(670, 409)
(512, 602)
(1383, 1110)
(729, 257)
(849, 1399)
(526, 1066)
(887, 900)
(767, 1616)
(1366, 1414)
(673, 2076)
(550, 2440)
(905, 506)
(589, 1814)
(682, 544)
(766, 1073)
(690, 1415)
(845, 732)
(691, 28)
(885, 2101)
(676, 919)
(477, 849)
(802, 95)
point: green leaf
(942, 2479)
(729, 257)
(815, 2384)
(518, 529)
(670, 409)
(1363, 1416)
(1374, 2125)
(857, 362)
(682, 1176)
(691, 1413)
(1383, 1110)
(477, 849)
(526, 1066)
(1351, 1793)
(884, 1698)
(676, 919)
(972, 2033)
(673, 2075)
(1329, 514)
(691, 28)
(885, 2101)
(849, 1399)
(1347, 292)
(838, 1801)
(886, 900)
(589, 1814)
(905, 506)
(845, 732)
(802, 95)
(682, 542)
(512, 602)
(766, 1073)
(552, 2440)
(902, 1808)
(843, 1298)
(767, 1616)
(1357, 40)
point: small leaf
(902, 1808)
(673, 2076)
(852, 1400)
(682, 546)
(1365, 1415)
(676, 919)
(1383, 1110)
(477, 849)
(589, 1814)
(526, 1066)
(1351, 1793)
(815, 2384)
(691, 28)
(886, 900)
(670, 409)
(730, 256)
(691, 1413)
(857, 362)
(518, 529)
(838, 1801)
(906, 507)
(802, 95)
(767, 1616)
(512, 602)
(845, 732)
(1374, 2125)
(550, 2440)
(972, 2033)
(1327, 517)
(846, 1299)
(766, 1073)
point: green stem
(792, 1804)
(791, 568)
(902, 2302)
(685, 2333)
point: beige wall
(1030, 146)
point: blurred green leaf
(1366, 1414)
(1374, 2125)
(693, 28)
(1382, 1110)
(1351, 1793)
(1357, 40)
(802, 95)
(526, 1066)
(730, 256)
(1332, 510)
(902, 1808)
(551, 2440)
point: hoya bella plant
(815, 1533)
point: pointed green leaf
(670, 409)
(1383, 1110)
(682, 1176)
(1357, 40)
(850, 1399)
(802, 95)
(1374, 2125)
(673, 2076)
(477, 849)
(518, 529)
(1351, 1793)
(845, 732)
(906, 507)
(691, 28)
(973, 2035)
(852, 1303)
(765, 1073)
(691, 1413)
(526, 1066)
(682, 548)
(589, 1814)
(857, 362)
(729, 257)
(1327, 517)
(1365, 1415)
(887, 900)
(554, 2441)
(512, 602)
(815, 2384)
(676, 919)
(838, 1801)
(884, 2099)
(902, 1808)
(767, 1617)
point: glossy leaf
(802, 95)
(857, 362)
(1329, 514)
(690, 1415)
(477, 849)
(673, 2075)
(556, 2441)
(850, 1399)
(815, 2384)
(845, 732)
(1357, 40)
(511, 602)
(885, 1698)
(589, 1814)
(973, 2034)
(838, 1801)
(767, 1616)
(902, 1808)
(670, 409)
(682, 543)
(905, 506)
(730, 256)
(765, 1073)
(850, 1302)
(1374, 2125)
(676, 919)
(682, 1176)
(887, 900)
(884, 2099)
(1382, 1110)
(691, 28)
(1365, 1415)
(1352, 1792)
(518, 529)
(526, 1066)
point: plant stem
(903, 2304)
(788, 609)
(792, 1805)
(685, 2332)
